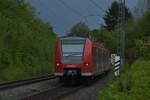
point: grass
(133, 84)
(35, 90)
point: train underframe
(74, 77)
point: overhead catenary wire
(99, 7)
(72, 9)
(92, 15)
(48, 8)
(50, 11)
(95, 3)
(122, 30)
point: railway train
(77, 58)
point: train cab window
(72, 51)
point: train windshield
(72, 51)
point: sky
(63, 14)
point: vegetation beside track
(133, 84)
(26, 43)
(134, 81)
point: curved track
(52, 89)
(62, 91)
(13, 84)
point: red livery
(76, 56)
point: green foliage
(133, 84)
(80, 29)
(35, 90)
(26, 43)
(109, 38)
(135, 32)
(138, 37)
(112, 16)
(143, 49)
(143, 25)
(109, 35)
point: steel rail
(63, 91)
(18, 83)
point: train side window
(104, 57)
(97, 55)
(100, 55)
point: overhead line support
(122, 31)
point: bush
(134, 84)
(143, 49)
(26, 43)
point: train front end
(73, 58)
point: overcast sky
(63, 14)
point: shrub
(134, 84)
(26, 43)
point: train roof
(95, 44)
(81, 38)
(73, 38)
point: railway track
(63, 91)
(13, 84)
(53, 90)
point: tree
(112, 16)
(26, 43)
(79, 29)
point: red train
(77, 57)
